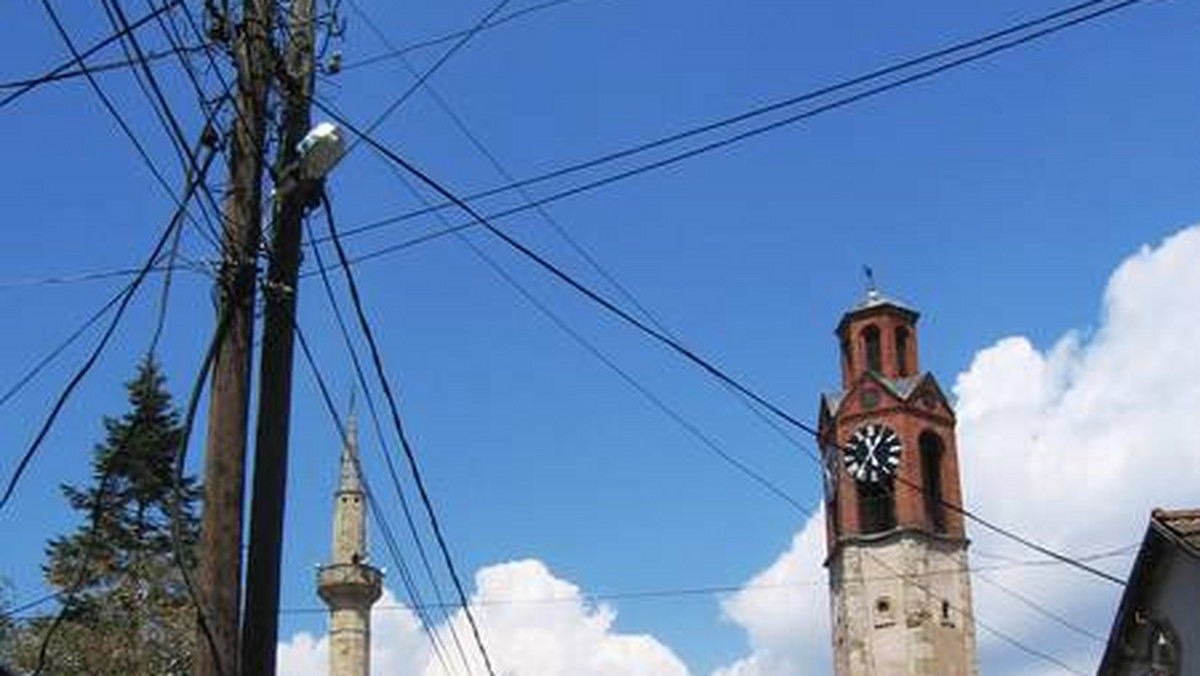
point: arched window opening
(873, 348)
(876, 507)
(902, 351)
(932, 451)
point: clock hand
(872, 444)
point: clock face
(873, 453)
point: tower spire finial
(872, 287)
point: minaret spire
(348, 585)
(351, 471)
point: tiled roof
(903, 388)
(1182, 524)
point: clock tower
(900, 594)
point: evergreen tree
(128, 612)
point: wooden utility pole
(220, 555)
(295, 192)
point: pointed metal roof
(875, 300)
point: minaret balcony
(349, 584)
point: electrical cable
(173, 254)
(756, 112)
(122, 305)
(454, 49)
(174, 225)
(182, 562)
(690, 427)
(380, 519)
(97, 68)
(1042, 610)
(171, 123)
(383, 446)
(61, 347)
(77, 60)
(414, 469)
(432, 42)
(691, 356)
(664, 593)
(176, 144)
(499, 167)
(987, 627)
(81, 573)
(656, 401)
(110, 107)
(653, 399)
(974, 618)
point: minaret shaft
(348, 585)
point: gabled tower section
(897, 553)
(348, 585)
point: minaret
(348, 585)
(900, 593)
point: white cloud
(534, 623)
(786, 620)
(1070, 445)
(398, 646)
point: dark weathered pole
(220, 554)
(295, 191)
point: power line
(656, 401)
(1042, 610)
(399, 52)
(560, 323)
(454, 49)
(83, 69)
(500, 169)
(167, 116)
(82, 570)
(125, 297)
(45, 361)
(98, 275)
(414, 469)
(108, 104)
(119, 64)
(381, 520)
(383, 447)
(181, 561)
(757, 112)
(669, 593)
(691, 356)
(1002, 635)
(716, 372)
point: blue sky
(997, 198)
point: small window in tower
(901, 351)
(932, 451)
(946, 620)
(884, 616)
(873, 348)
